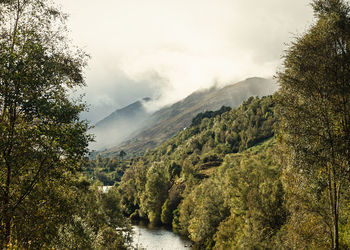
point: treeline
(208, 114)
(107, 171)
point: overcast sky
(167, 49)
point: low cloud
(111, 89)
(167, 49)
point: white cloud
(152, 47)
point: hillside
(128, 120)
(168, 121)
(198, 179)
(133, 110)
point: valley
(184, 158)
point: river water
(146, 237)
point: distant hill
(166, 122)
(133, 110)
(116, 127)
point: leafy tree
(41, 135)
(92, 221)
(314, 111)
(208, 114)
(122, 154)
(209, 210)
(240, 206)
(255, 196)
(156, 190)
(131, 188)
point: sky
(167, 49)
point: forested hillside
(209, 174)
(224, 183)
(169, 120)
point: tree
(155, 193)
(254, 193)
(122, 154)
(92, 223)
(314, 110)
(41, 135)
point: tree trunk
(336, 216)
(7, 212)
(7, 231)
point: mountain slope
(133, 110)
(116, 127)
(168, 121)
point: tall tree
(314, 109)
(41, 135)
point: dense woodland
(271, 174)
(213, 180)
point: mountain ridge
(133, 108)
(127, 119)
(167, 121)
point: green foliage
(156, 191)
(207, 211)
(122, 154)
(43, 143)
(208, 114)
(183, 182)
(241, 206)
(166, 216)
(313, 109)
(255, 198)
(109, 171)
(93, 222)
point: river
(146, 237)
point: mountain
(116, 127)
(166, 122)
(131, 111)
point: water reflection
(156, 238)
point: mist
(139, 126)
(114, 135)
(167, 49)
